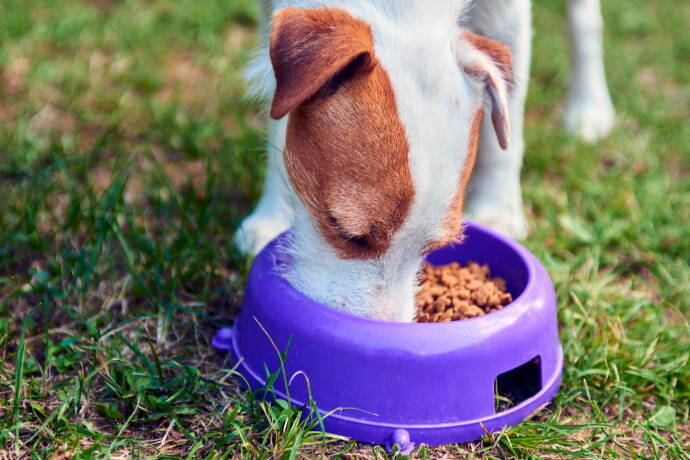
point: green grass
(128, 155)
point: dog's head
(381, 138)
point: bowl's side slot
(517, 385)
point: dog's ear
(490, 63)
(310, 48)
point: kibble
(454, 292)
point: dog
(377, 121)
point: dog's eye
(361, 241)
(364, 241)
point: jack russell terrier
(377, 118)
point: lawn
(129, 154)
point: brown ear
(494, 67)
(309, 47)
(497, 51)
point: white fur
(589, 113)
(418, 44)
(495, 197)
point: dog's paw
(590, 119)
(256, 231)
(510, 222)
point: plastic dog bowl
(388, 382)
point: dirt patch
(454, 292)
(12, 78)
(184, 80)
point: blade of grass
(18, 374)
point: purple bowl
(406, 383)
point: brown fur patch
(308, 47)
(346, 149)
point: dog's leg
(272, 215)
(495, 197)
(589, 113)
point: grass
(128, 155)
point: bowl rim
(535, 274)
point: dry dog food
(453, 292)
